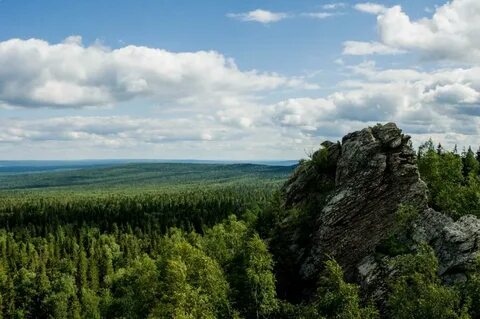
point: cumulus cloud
(423, 103)
(450, 34)
(372, 8)
(439, 102)
(259, 15)
(35, 73)
(226, 110)
(367, 48)
(220, 136)
(113, 131)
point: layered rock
(373, 171)
(356, 187)
(456, 245)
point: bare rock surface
(456, 244)
(366, 177)
(375, 171)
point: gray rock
(375, 172)
(363, 181)
(310, 180)
(456, 244)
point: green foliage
(319, 160)
(248, 266)
(145, 176)
(115, 255)
(194, 285)
(399, 241)
(134, 289)
(191, 209)
(405, 216)
(72, 272)
(471, 294)
(452, 179)
(470, 163)
(216, 245)
(416, 291)
(339, 299)
(259, 279)
(470, 290)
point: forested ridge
(215, 251)
(144, 176)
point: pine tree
(440, 149)
(93, 272)
(261, 294)
(470, 163)
(82, 270)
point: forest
(186, 249)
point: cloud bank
(35, 73)
(227, 112)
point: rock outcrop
(373, 171)
(456, 244)
(362, 181)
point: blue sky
(231, 79)
(293, 46)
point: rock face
(352, 191)
(456, 244)
(374, 172)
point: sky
(232, 79)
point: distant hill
(15, 167)
(100, 175)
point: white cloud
(372, 8)
(442, 104)
(450, 34)
(319, 15)
(302, 113)
(367, 48)
(438, 103)
(333, 6)
(201, 137)
(259, 15)
(115, 131)
(454, 93)
(34, 73)
(223, 107)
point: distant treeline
(189, 209)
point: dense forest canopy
(213, 252)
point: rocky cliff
(362, 182)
